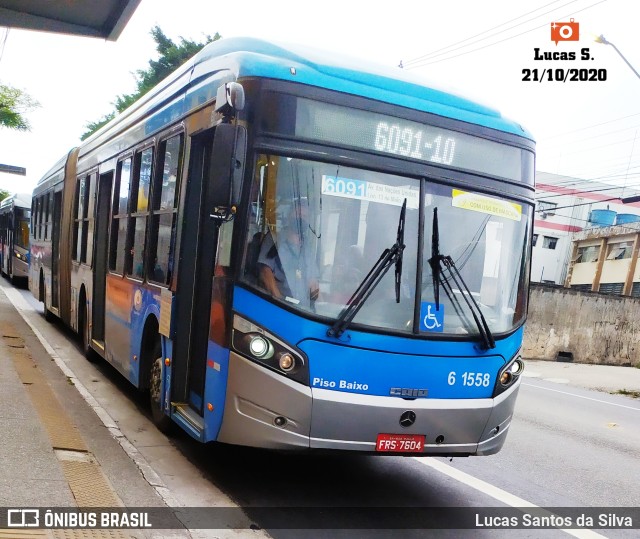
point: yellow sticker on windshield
(485, 204)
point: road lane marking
(497, 493)
(583, 397)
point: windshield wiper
(439, 262)
(376, 273)
(434, 261)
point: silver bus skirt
(265, 409)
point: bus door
(100, 259)
(55, 249)
(194, 286)
(9, 244)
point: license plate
(400, 443)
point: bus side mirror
(227, 168)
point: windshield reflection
(317, 229)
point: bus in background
(289, 250)
(15, 214)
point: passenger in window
(158, 273)
(138, 270)
(287, 267)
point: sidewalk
(55, 452)
(606, 378)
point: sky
(588, 129)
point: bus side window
(77, 219)
(89, 217)
(140, 209)
(118, 235)
(46, 216)
(162, 232)
(39, 216)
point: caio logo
(565, 31)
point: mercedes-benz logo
(408, 418)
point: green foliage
(172, 56)
(92, 127)
(4, 194)
(14, 103)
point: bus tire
(160, 419)
(49, 316)
(84, 331)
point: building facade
(605, 260)
(567, 207)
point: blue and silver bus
(15, 214)
(289, 250)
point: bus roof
(250, 57)
(18, 200)
(243, 57)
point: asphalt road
(567, 447)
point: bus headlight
(260, 347)
(256, 344)
(509, 374)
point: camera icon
(565, 31)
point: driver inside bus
(287, 267)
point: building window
(611, 288)
(635, 290)
(581, 287)
(587, 254)
(535, 239)
(549, 242)
(619, 251)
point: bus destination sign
(405, 138)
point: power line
(588, 183)
(592, 179)
(425, 63)
(588, 127)
(546, 197)
(435, 53)
(603, 134)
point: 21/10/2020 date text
(563, 75)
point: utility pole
(602, 39)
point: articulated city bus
(15, 214)
(290, 250)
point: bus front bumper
(264, 409)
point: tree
(172, 56)
(14, 103)
(4, 194)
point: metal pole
(10, 169)
(602, 39)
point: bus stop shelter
(103, 19)
(93, 18)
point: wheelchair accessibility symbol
(430, 318)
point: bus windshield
(316, 229)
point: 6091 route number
(470, 379)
